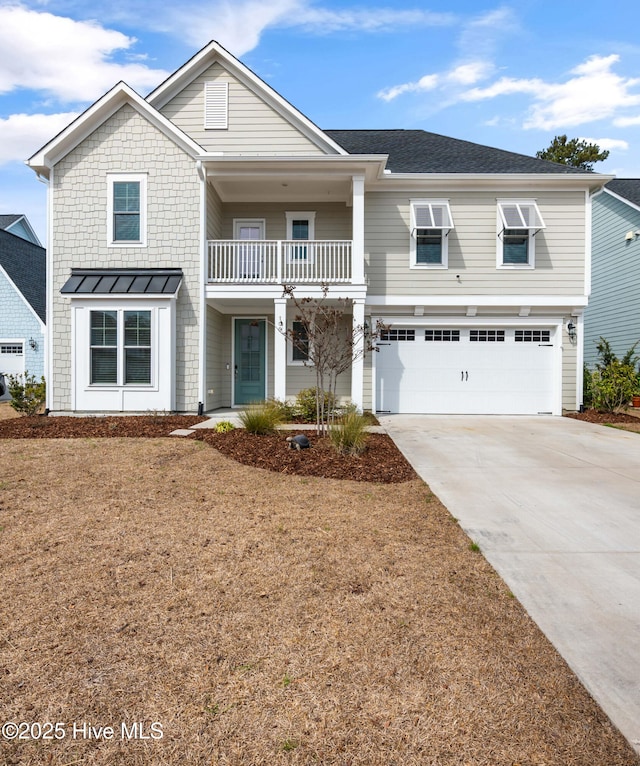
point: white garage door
(507, 371)
(11, 361)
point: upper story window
(300, 226)
(431, 222)
(127, 210)
(216, 105)
(518, 223)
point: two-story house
(176, 219)
(22, 300)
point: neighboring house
(22, 299)
(614, 305)
(175, 220)
(19, 225)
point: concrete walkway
(554, 504)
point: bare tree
(328, 339)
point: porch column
(357, 367)
(357, 254)
(280, 349)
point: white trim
(279, 349)
(619, 197)
(554, 323)
(532, 227)
(24, 300)
(203, 384)
(302, 215)
(261, 318)
(216, 105)
(429, 204)
(588, 243)
(507, 301)
(579, 320)
(357, 229)
(214, 52)
(357, 365)
(48, 346)
(291, 362)
(121, 397)
(140, 178)
(98, 113)
(238, 222)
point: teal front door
(250, 357)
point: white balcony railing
(280, 261)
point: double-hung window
(431, 223)
(127, 203)
(299, 346)
(518, 223)
(120, 347)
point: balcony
(280, 261)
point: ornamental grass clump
(262, 417)
(349, 435)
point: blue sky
(506, 75)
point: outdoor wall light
(34, 344)
(571, 330)
(631, 235)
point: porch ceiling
(282, 189)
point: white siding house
(176, 219)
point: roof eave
(589, 181)
(44, 159)
(215, 52)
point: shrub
(349, 435)
(28, 395)
(306, 404)
(614, 381)
(261, 417)
(587, 392)
(613, 387)
(224, 426)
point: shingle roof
(25, 264)
(7, 220)
(417, 151)
(629, 188)
(123, 281)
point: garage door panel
(492, 374)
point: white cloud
(463, 74)
(21, 135)
(595, 92)
(239, 24)
(63, 58)
(626, 122)
(608, 143)
(428, 82)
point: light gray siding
(333, 220)
(214, 213)
(559, 248)
(614, 306)
(127, 143)
(255, 128)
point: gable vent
(216, 105)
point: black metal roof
(629, 188)
(26, 266)
(123, 282)
(418, 151)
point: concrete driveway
(554, 504)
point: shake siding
(255, 128)
(127, 143)
(17, 321)
(559, 253)
(614, 305)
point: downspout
(202, 343)
(48, 366)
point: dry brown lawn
(263, 619)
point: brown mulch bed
(264, 620)
(64, 427)
(593, 416)
(381, 461)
